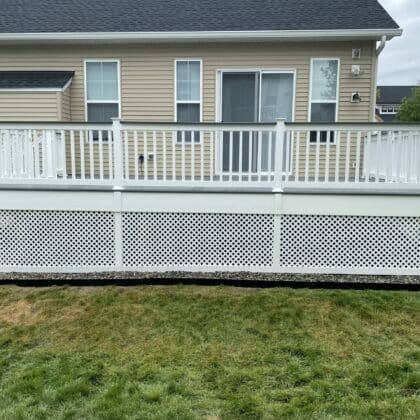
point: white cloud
(399, 63)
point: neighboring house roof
(393, 95)
(387, 117)
(62, 16)
(34, 79)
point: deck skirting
(120, 231)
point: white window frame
(385, 109)
(176, 101)
(337, 97)
(90, 101)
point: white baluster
(72, 155)
(297, 156)
(164, 154)
(101, 156)
(357, 169)
(347, 166)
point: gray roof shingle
(393, 95)
(40, 16)
(34, 79)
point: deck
(261, 198)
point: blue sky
(399, 63)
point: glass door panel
(239, 105)
(250, 97)
(276, 102)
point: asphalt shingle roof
(393, 95)
(34, 79)
(40, 16)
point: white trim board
(200, 36)
(233, 203)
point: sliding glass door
(250, 97)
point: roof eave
(38, 89)
(209, 36)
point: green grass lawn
(208, 353)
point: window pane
(188, 80)
(102, 81)
(324, 80)
(102, 112)
(188, 113)
(239, 101)
(323, 113)
(276, 97)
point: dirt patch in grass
(18, 312)
(23, 312)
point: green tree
(410, 108)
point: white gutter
(219, 36)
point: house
(201, 135)
(389, 100)
(190, 61)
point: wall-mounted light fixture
(356, 53)
(356, 70)
(356, 98)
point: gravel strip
(216, 277)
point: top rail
(218, 126)
(295, 126)
(353, 126)
(54, 125)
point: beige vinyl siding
(29, 106)
(147, 72)
(65, 100)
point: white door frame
(219, 96)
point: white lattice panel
(350, 242)
(56, 238)
(180, 239)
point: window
(188, 95)
(390, 109)
(102, 90)
(324, 93)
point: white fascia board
(216, 36)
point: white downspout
(379, 49)
(381, 46)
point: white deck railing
(377, 155)
(278, 156)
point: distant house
(389, 100)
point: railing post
(279, 158)
(118, 156)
